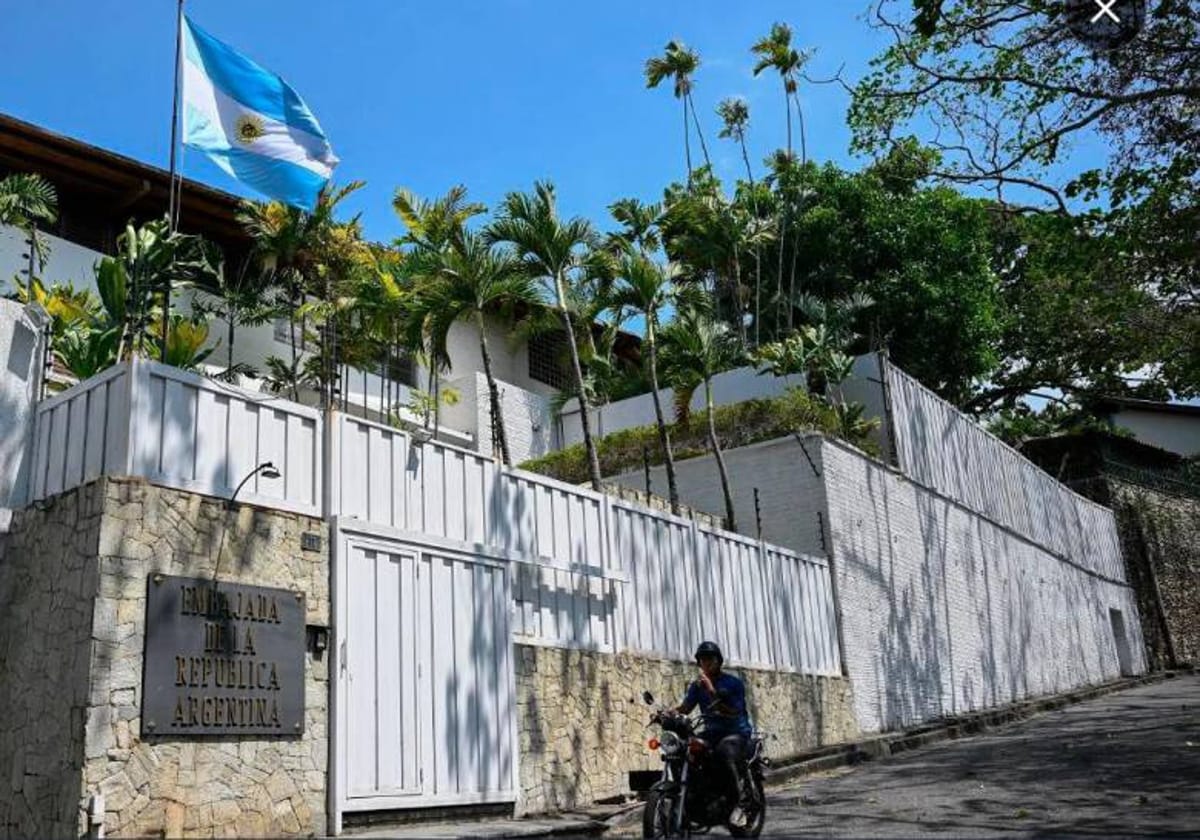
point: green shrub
(737, 425)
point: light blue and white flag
(251, 122)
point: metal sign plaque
(222, 658)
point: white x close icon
(1105, 9)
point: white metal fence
(180, 430)
(589, 571)
(592, 571)
(940, 447)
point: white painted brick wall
(528, 422)
(945, 612)
(791, 496)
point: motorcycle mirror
(648, 697)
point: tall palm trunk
(232, 315)
(757, 244)
(577, 369)
(664, 435)
(699, 133)
(493, 392)
(295, 386)
(730, 516)
(783, 215)
(803, 161)
(687, 142)
(737, 298)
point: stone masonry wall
(945, 612)
(217, 786)
(1162, 529)
(583, 724)
(73, 581)
(48, 581)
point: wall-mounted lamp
(266, 469)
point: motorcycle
(697, 791)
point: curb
(882, 746)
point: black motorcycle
(697, 790)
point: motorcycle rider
(722, 701)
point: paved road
(1127, 764)
(1124, 765)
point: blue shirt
(725, 713)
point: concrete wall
(87, 559)
(732, 386)
(1178, 433)
(21, 353)
(583, 725)
(946, 612)
(68, 262)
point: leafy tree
(1003, 89)
(149, 259)
(1069, 327)
(924, 256)
(679, 63)
(557, 253)
(1004, 93)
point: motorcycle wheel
(658, 817)
(754, 825)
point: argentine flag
(251, 123)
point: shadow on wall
(962, 615)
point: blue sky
(492, 95)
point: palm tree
(695, 349)
(735, 116)
(291, 244)
(555, 251)
(432, 228)
(25, 200)
(646, 287)
(477, 278)
(639, 224)
(775, 51)
(679, 62)
(240, 299)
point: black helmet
(710, 649)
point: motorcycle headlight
(671, 744)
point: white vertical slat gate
(425, 697)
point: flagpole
(175, 190)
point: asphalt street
(1123, 765)
(1127, 764)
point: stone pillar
(73, 585)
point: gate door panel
(426, 679)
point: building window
(548, 354)
(399, 368)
